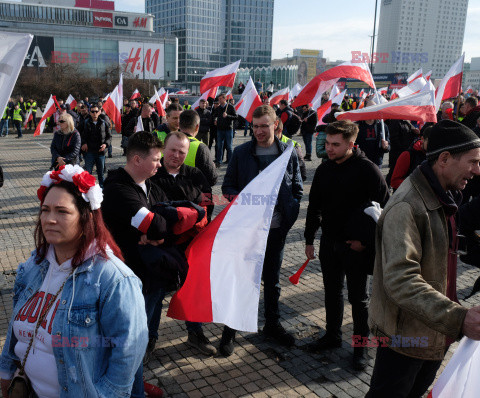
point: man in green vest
(186, 105)
(18, 116)
(198, 153)
(32, 104)
(4, 121)
(173, 112)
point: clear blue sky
(337, 27)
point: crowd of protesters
(169, 161)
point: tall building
(213, 33)
(416, 34)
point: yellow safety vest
(5, 113)
(187, 107)
(285, 140)
(161, 135)
(17, 115)
(192, 151)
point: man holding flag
(414, 305)
(247, 161)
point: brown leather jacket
(409, 303)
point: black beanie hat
(450, 136)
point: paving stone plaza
(258, 368)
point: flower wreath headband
(83, 180)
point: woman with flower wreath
(78, 326)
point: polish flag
(114, 104)
(155, 100)
(361, 93)
(279, 95)
(415, 75)
(295, 91)
(451, 84)
(50, 109)
(469, 90)
(394, 94)
(28, 118)
(327, 106)
(460, 376)
(220, 77)
(135, 95)
(163, 96)
(419, 107)
(71, 101)
(248, 104)
(139, 126)
(183, 92)
(412, 88)
(383, 90)
(226, 258)
(379, 99)
(238, 105)
(229, 95)
(212, 93)
(428, 75)
(359, 71)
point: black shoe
(308, 158)
(110, 156)
(199, 341)
(149, 351)
(279, 334)
(217, 165)
(359, 359)
(226, 343)
(324, 343)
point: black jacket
(470, 120)
(308, 127)
(126, 117)
(205, 120)
(338, 190)
(225, 123)
(67, 146)
(204, 162)
(122, 200)
(149, 124)
(95, 135)
(369, 139)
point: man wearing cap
(414, 312)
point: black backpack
(293, 124)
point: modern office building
(213, 33)
(278, 76)
(310, 63)
(92, 35)
(417, 34)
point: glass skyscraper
(213, 33)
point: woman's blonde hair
(69, 119)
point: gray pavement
(258, 368)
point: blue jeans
(138, 391)
(153, 308)
(307, 139)
(99, 161)
(224, 136)
(246, 128)
(3, 122)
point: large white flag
(13, 49)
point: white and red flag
(226, 258)
(139, 126)
(383, 91)
(183, 92)
(163, 96)
(451, 84)
(322, 110)
(279, 95)
(428, 75)
(415, 75)
(394, 94)
(135, 95)
(114, 105)
(460, 378)
(155, 100)
(353, 70)
(28, 118)
(419, 107)
(295, 91)
(212, 93)
(248, 104)
(71, 101)
(13, 50)
(361, 93)
(469, 90)
(50, 109)
(229, 95)
(224, 77)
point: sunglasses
(61, 121)
(94, 111)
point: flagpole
(373, 38)
(459, 93)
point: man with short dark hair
(414, 281)
(224, 118)
(248, 160)
(96, 138)
(342, 187)
(472, 112)
(173, 112)
(309, 122)
(150, 119)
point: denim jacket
(99, 334)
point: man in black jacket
(128, 198)
(342, 185)
(309, 122)
(96, 138)
(181, 182)
(150, 120)
(472, 112)
(205, 122)
(224, 117)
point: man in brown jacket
(414, 312)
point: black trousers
(337, 262)
(398, 376)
